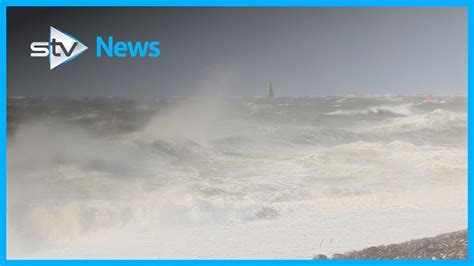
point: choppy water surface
(231, 178)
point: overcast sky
(303, 51)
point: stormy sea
(216, 177)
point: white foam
(181, 188)
(397, 109)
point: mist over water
(215, 177)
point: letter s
(154, 48)
(39, 49)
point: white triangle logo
(65, 48)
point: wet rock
(451, 246)
(320, 257)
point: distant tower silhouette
(270, 90)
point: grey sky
(303, 51)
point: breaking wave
(86, 167)
(401, 110)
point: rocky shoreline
(450, 246)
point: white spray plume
(193, 118)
